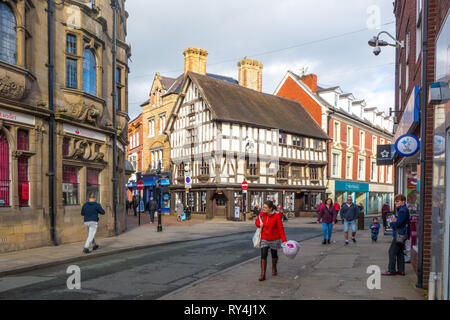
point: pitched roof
(167, 82)
(234, 103)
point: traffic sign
(187, 181)
(140, 185)
(244, 185)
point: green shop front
(359, 191)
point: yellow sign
(187, 190)
(284, 191)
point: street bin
(361, 221)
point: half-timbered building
(222, 134)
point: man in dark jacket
(135, 204)
(90, 211)
(349, 214)
(151, 207)
(400, 224)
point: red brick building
(415, 174)
(355, 132)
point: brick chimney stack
(250, 74)
(311, 81)
(195, 60)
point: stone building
(83, 120)
(355, 130)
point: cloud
(330, 37)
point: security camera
(376, 51)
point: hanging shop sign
(385, 154)
(407, 145)
(410, 115)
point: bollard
(361, 221)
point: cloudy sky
(329, 37)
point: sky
(328, 37)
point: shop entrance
(299, 203)
(220, 205)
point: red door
(4, 171)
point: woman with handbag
(400, 226)
(272, 235)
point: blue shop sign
(351, 186)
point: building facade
(415, 174)
(355, 132)
(222, 134)
(134, 150)
(83, 120)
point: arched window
(4, 171)
(7, 34)
(89, 72)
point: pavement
(318, 272)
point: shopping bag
(291, 248)
(257, 235)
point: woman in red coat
(272, 234)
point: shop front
(359, 191)
(150, 190)
(380, 194)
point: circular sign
(188, 180)
(140, 185)
(439, 144)
(407, 145)
(244, 185)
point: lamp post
(158, 197)
(377, 43)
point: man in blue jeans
(349, 214)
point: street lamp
(377, 43)
(158, 196)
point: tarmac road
(142, 274)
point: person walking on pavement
(328, 216)
(374, 229)
(151, 207)
(135, 204)
(90, 211)
(349, 214)
(272, 235)
(337, 207)
(401, 225)
(384, 210)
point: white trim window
(337, 132)
(349, 167)
(151, 127)
(349, 136)
(361, 168)
(382, 174)
(335, 165)
(162, 122)
(418, 28)
(389, 174)
(373, 171)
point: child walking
(374, 229)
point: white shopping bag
(291, 248)
(257, 236)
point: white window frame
(362, 140)
(151, 127)
(381, 174)
(374, 144)
(389, 174)
(336, 174)
(373, 171)
(349, 167)
(363, 177)
(337, 135)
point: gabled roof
(167, 82)
(320, 89)
(233, 103)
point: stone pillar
(195, 60)
(250, 74)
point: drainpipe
(114, 6)
(51, 131)
(423, 104)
